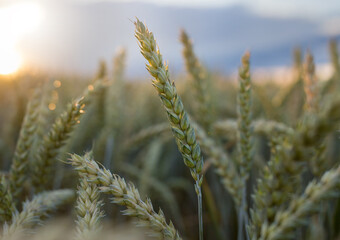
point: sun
(16, 21)
(10, 61)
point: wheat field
(202, 156)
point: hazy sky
(280, 8)
(74, 34)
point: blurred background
(67, 48)
(70, 36)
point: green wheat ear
(303, 207)
(88, 210)
(34, 212)
(244, 112)
(184, 133)
(178, 117)
(333, 49)
(116, 93)
(272, 191)
(200, 78)
(102, 70)
(310, 85)
(43, 171)
(125, 195)
(318, 161)
(7, 203)
(18, 173)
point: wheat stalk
(245, 132)
(184, 133)
(126, 195)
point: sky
(280, 8)
(75, 34)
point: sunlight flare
(16, 21)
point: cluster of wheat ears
(293, 190)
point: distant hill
(76, 36)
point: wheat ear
(7, 203)
(18, 171)
(115, 95)
(184, 133)
(301, 208)
(33, 212)
(310, 84)
(245, 130)
(53, 141)
(297, 62)
(198, 74)
(312, 107)
(88, 210)
(102, 70)
(282, 175)
(310, 134)
(272, 191)
(126, 195)
(333, 49)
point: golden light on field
(16, 21)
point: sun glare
(10, 61)
(16, 21)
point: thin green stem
(241, 214)
(199, 209)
